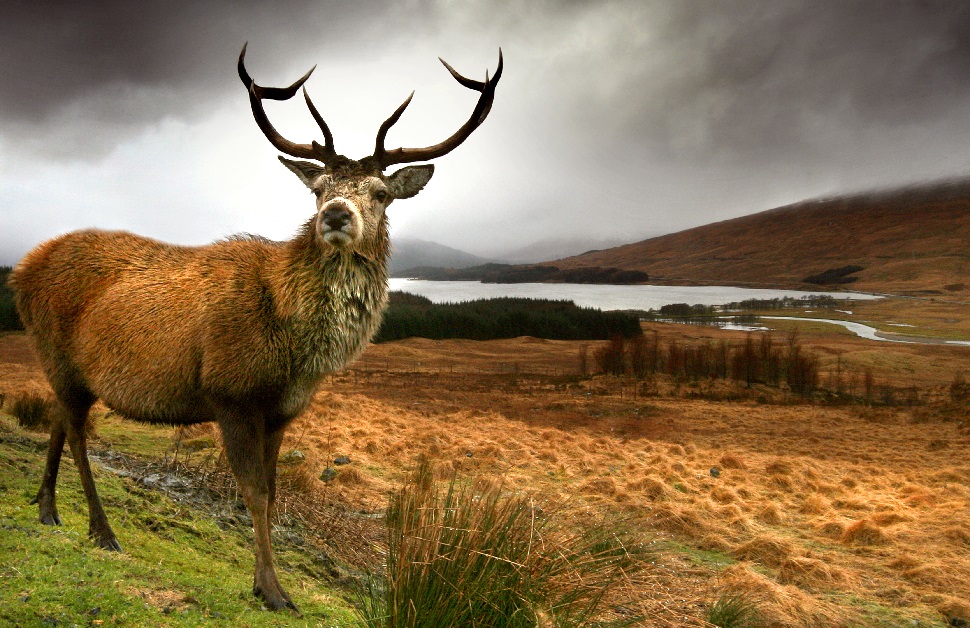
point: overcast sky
(613, 120)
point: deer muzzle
(338, 222)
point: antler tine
(467, 82)
(382, 132)
(256, 95)
(327, 135)
(386, 158)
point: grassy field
(815, 512)
(179, 567)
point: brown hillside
(915, 240)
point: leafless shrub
(584, 361)
(609, 357)
(959, 388)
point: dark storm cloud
(80, 70)
(741, 77)
(770, 74)
(615, 118)
(684, 79)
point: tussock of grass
(31, 410)
(730, 461)
(958, 535)
(652, 488)
(733, 611)
(680, 520)
(765, 550)
(811, 573)
(779, 604)
(464, 557)
(815, 504)
(956, 611)
(771, 514)
(864, 532)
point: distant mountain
(555, 248)
(407, 253)
(913, 240)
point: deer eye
(317, 192)
(380, 196)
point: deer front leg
(245, 441)
(271, 454)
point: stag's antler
(312, 150)
(382, 158)
(386, 158)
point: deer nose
(336, 216)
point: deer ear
(307, 171)
(407, 182)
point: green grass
(178, 568)
(130, 437)
(701, 557)
(733, 611)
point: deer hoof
(50, 519)
(109, 543)
(112, 545)
(47, 509)
(276, 600)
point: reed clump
(457, 556)
(32, 411)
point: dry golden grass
(826, 515)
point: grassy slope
(178, 568)
(911, 241)
(794, 479)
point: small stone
(341, 460)
(715, 472)
(328, 474)
(292, 457)
(468, 454)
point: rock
(341, 460)
(715, 472)
(328, 474)
(292, 457)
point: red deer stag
(239, 332)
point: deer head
(352, 195)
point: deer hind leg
(245, 440)
(74, 421)
(46, 496)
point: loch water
(603, 297)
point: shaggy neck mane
(318, 293)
